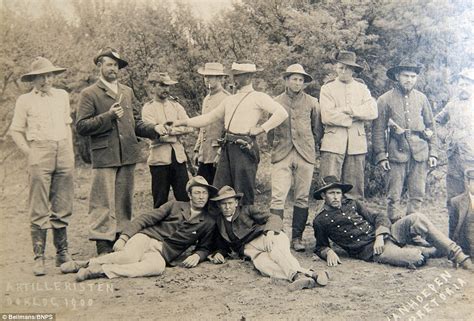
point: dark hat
(41, 66)
(406, 65)
(465, 73)
(226, 192)
(162, 78)
(469, 173)
(297, 69)
(111, 53)
(201, 181)
(330, 182)
(212, 69)
(244, 67)
(347, 58)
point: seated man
(463, 215)
(153, 240)
(259, 236)
(370, 236)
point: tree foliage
(167, 36)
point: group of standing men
(227, 155)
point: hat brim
(241, 72)
(224, 197)
(344, 187)
(307, 78)
(166, 82)
(31, 75)
(212, 189)
(121, 63)
(392, 72)
(357, 68)
(204, 72)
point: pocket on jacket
(361, 131)
(100, 142)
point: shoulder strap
(236, 107)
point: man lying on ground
(153, 240)
(259, 236)
(371, 237)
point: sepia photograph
(237, 160)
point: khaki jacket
(344, 109)
(302, 129)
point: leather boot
(301, 281)
(60, 242)
(277, 212)
(457, 256)
(38, 238)
(300, 216)
(93, 271)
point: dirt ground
(232, 291)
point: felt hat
(406, 65)
(201, 181)
(347, 58)
(41, 66)
(297, 69)
(212, 69)
(111, 53)
(162, 78)
(330, 182)
(244, 67)
(226, 192)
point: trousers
(415, 174)
(141, 256)
(165, 176)
(291, 170)
(51, 183)
(348, 168)
(455, 183)
(110, 201)
(208, 171)
(403, 231)
(279, 262)
(238, 170)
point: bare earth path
(233, 291)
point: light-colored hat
(201, 181)
(330, 182)
(465, 73)
(239, 68)
(347, 58)
(406, 65)
(162, 78)
(41, 66)
(297, 69)
(212, 69)
(226, 192)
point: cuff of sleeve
(324, 252)
(110, 115)
(265, 127)
(202, 255)
(124, 237)
(380, 157)
(382, 230)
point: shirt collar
(112, 85)
(246, 89)
(293, 95)
(42, 93)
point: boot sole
(304, 283)
(321, 278)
